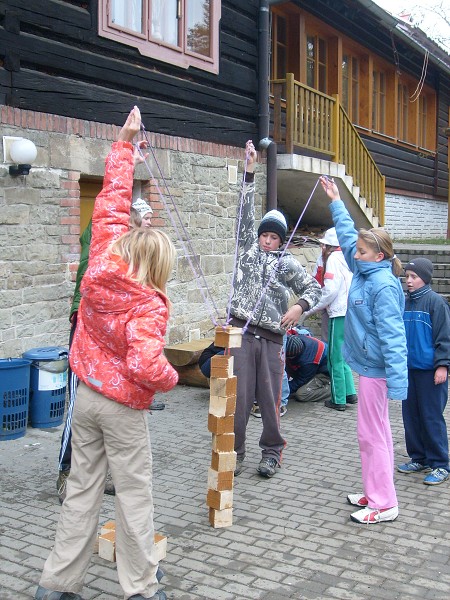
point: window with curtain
(316, 63)
(379, 101)
(182, 32)
(350, 86)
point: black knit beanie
(274, 222)
(294, 346)
(423, 267)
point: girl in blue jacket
(375, 348)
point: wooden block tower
(222, 407)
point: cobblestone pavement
(291, 536)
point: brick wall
(415, 218)
(39, 217)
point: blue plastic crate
(14, 397)
(48, 384)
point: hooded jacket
(337, 279)
(427, 324)
(251, 296)
(119, 339)
(374, 335)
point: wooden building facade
(70, 70)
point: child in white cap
(143, 212)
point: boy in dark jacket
(427, 324)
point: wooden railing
(305, 118)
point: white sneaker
(374, 515)
(357, 499)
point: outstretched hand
(139, 156)
(330, 188)
(131, 127)
(251, 155)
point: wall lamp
(20, 151)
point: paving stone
(291, 535)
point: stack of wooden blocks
(222, 406)
(107, 543)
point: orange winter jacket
(118, 345)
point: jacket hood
(113, 294)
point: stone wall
(415, 218)
(39, 218)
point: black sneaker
(61, 485)
(267, 467)
(330, 404)
(239, 465)
(45, 594)
(160, 595)
(352, 399)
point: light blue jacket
(374, 338)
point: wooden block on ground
(223, 387)
(220, 500)
(221, 518)
(220, 425)
(223, 461)
(222, 407)
(228, 337)
(107, 527)
(223, 442)
(160, 547)
(107, 546)
(222, 366)
(220, 480)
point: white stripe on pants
(106, 432)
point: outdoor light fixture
(22, 152)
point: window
(379, 102)
(350, 86)
(316, 63)
(402, 112)
(422, 127)
(181, 32)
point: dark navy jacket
(427, 325)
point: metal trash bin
(14, 397)
(48, 384)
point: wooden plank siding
(60, 65)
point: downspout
(265, 143)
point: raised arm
(247, 232)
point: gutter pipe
(265, 143)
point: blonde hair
(149, 254)
(379, 240)
(135, 219)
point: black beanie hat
(294, 346)
(423, 267)
(274, 222)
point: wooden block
(222, 407)
(220, 425)
(228, 337)
(107, 527)
(223, 442)
(223, 461)
(220, 500)
(222, 366)
(223, 387)
(221, 518)
(160, 547)
(220, 480)
(107, 546)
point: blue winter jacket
(374, 336)
(427, 324)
